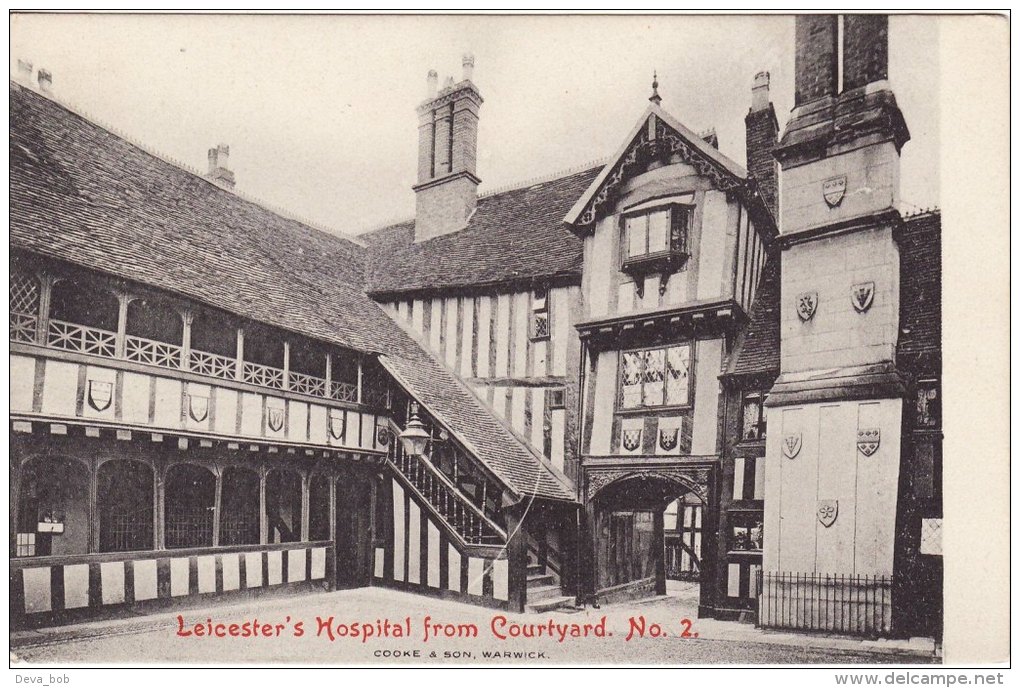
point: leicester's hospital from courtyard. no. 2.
(669, 365)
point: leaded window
(24, 301)
(929, 408)
(540, 315)
(656, 377)
(753, 416)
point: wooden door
(353, 532)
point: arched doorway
(53, 507)
(190, 504)
(628, 517)
(239, 520)
(283, 505)
(355, 494)
(125, 506)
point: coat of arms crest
(337, 424)
(868, 440)
(382, 436)
(100, 395)
(833, 190)
(828, 509)
(668, 438)
(274, 418)
(861, 296)
(198, 407)
(791, 445)
(807, 303)
(632, 440)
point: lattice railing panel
(143, 350)
(307, 384)
(81, 338)
(261, 375)
(24, 294)
(23, 327)
(214, 365)
(343, 391)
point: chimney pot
(448, 83)
(468, 63)
(25, 72)
(219, 170)
(760, 92)
(45, 81)
(432, 81)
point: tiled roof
(920, 340)
(83, 195)
(757, 348)
(513, 237)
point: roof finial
(656, 98)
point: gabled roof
(514, 237)
(658, 132)
(82, 195)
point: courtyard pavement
(317, 629)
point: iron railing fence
(836, 603)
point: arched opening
(155, 319)
(125, 506)
(263, 345)
(190, 501)
(283, 505)
(53, 509)
(83, 303)
(646, 528)
(239, 517)
(213, 333)
(318, 508)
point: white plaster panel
(738, 478)
(206, 573)
(708, 353)
(275, 573)
(604, 401)
(318, 420)
(253, 569)
(279, 406)
(111, 576)
(558, 438)
(540, 357)
(169, 396)
(712, 252)
(836, 477)
(297, 428)
(60, 389)
(602, 264)
(521, 330)
(799, 502)
(135, 398)
(251, 414)
(484, 342)
(226, 411)
(38, 597)
(318, 563)
(561, 326)
(517, 395)
(367, 431)
(467, 337)
(772, 494)
(76, 584)
(436, 324)
(476, 568)
(296, 565)
(450, 339)
(500, 581)
(733, 580)
(537, 416)
(413, 543)
(198, 391)
(179, 576)
(433, 555)
(22, 375)
(418, 315)
(453, 570)
(95, 374)
(145, 579)
(877, 481)
(502, 335)
(231, 571)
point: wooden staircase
(544, 591)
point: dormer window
(655, 238)
(540, 314)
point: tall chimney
(762, 134)
(865, 49)
(447, 188)
(24, 73)
(219, 172)
(815, 57)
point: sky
(319, 111)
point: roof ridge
(185, 167)
(933, 210)
(541, 179)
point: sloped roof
(513, 237)
(757, 349)
(83, 195)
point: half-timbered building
(555, 394)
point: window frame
(762, 396)
(535, 311)
(670, 259)
(664, 407)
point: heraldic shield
(100, 395)
(632, 440)
(382, 436)
(807, 303)
(668, 438)
(198, 408)
(337, 423)
(828, 509)
(274, 418)
(861, 296)
(868, 440)
(833, 190)
(791, 445)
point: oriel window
(657, 231)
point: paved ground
(295, 635)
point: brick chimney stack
(447, 188)
(45, 81)
(865, 49)
(219, 172)
(762, 134)
(815, 57)
(24, 73)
